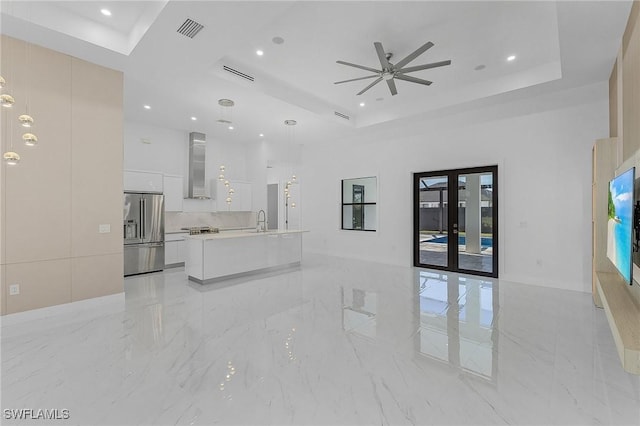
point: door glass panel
(433, 220)
(475, 222)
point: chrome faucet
(261, 224)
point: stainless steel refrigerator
(143, 233)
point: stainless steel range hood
(197, 154)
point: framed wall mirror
(359, 204)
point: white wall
(168, 152)
(542, 147)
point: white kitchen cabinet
(241, 200)
(136, 180)
(173, 193)
(174, 249)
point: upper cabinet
(241, 198)
(135, 180)
(173, 193)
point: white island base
(215, 257)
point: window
(359, 211)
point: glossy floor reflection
(333, 342)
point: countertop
(240, 234)
(182, 231)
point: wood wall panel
(42, 284)
(97, 134)
(37, 190)
(631, 84)
(54, 200)
(94, 276)
(613, 102)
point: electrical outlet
(104, 228)
(14, 289)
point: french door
(455, 220)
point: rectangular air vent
(190, 28)
(238, 73)
(341, 115)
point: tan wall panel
(613, 102)
(54, 201)
(42, 284)
(97, 133)
(38, 193)
(96, 276)
(3, 291)
(631, 85)
(634, 16)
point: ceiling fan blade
(412, 79)
(419, 51)
(381, 55)
(356, 79)
(424, 67)
(392, 87)
(362, 67)
(377, 80)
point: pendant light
(225, 112)
(293, 178)
(7, 102)
(30, 139)
(10, 158)
(227, 184)
(26, 120)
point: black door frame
(452, 216)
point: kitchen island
(214, 257)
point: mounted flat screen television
(620, 223)
(636, 230)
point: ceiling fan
(390, 71)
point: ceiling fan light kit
(389, 72)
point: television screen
(620, 223)
(636, 229)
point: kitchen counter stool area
(214, 257)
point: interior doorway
(456, 220)
(272, 206)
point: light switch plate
(104, 228)
(14, 289)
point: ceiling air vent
(190, 28)
(341, 115)
(238, 73)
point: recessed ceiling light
(259, 52)
(194, 118)
(511, 58)
(105, 12)
(480, 67)
(261, 135)
(361, 103)
(277, 40)
(230, 127)
(147, 107)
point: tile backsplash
(173, 221)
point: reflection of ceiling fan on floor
(390, 71)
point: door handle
(143, 214)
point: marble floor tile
(333, 342)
